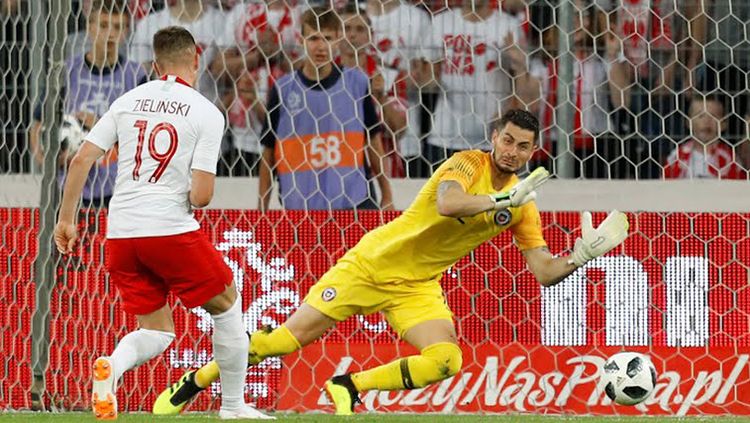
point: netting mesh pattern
(658, 89)
(636, 102)
(677, 289)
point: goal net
(631, 96)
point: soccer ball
(628, 378)
(71, 134)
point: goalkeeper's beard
(502, 169)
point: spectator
(398, 33)
(204, 22)
(94, 80)
(259, 45)
(323, 129)
(79, 42)
(705, 154)
(246, 114)
(597, 83)
(387, 84)
(517, 10)
(257, 35)
(657, 43)
(721, 31)
(470, 44)
(14, 95)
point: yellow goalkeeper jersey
(421, 244)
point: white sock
(137, 348)
(230, 352)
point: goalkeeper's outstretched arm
(546, 268)
(453, 201)
(594, 242)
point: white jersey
(474, 86)
(588, 92)
(246, 20)
(164, 130)
(206, 31)
(399, 37)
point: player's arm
(102, 137)
(75, 179)
(205, 156)
(268, 142)
(267, 162)
(201, 188)
(453, 201)
(458, 203)
(546, 268)
(375, 152)
(593, 243)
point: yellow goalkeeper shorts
(347, 289)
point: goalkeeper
(396, 268)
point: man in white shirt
(469, 43)
(206, 23)
(258, 35)
(169, 137)
(398, 32)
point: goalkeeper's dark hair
(520, 118)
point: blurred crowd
(659, 88)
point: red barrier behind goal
(678, 290)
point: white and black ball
(71, 134)
(628, 378)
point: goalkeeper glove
(522, 192)
(597, 242)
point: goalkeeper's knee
(435, 363)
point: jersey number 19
(162, 158)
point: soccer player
(169, 137)
(472, 198)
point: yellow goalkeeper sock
(436, 362)
(263, 344)
(207, 374)
(275, 343)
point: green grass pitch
(375, 418)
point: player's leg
(304, 326)
(337, 295)
(144, 295)
(155, 333)
(439, 358)
(189, 266)
(230, 346)
(419, 315)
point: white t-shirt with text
(164, 129)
